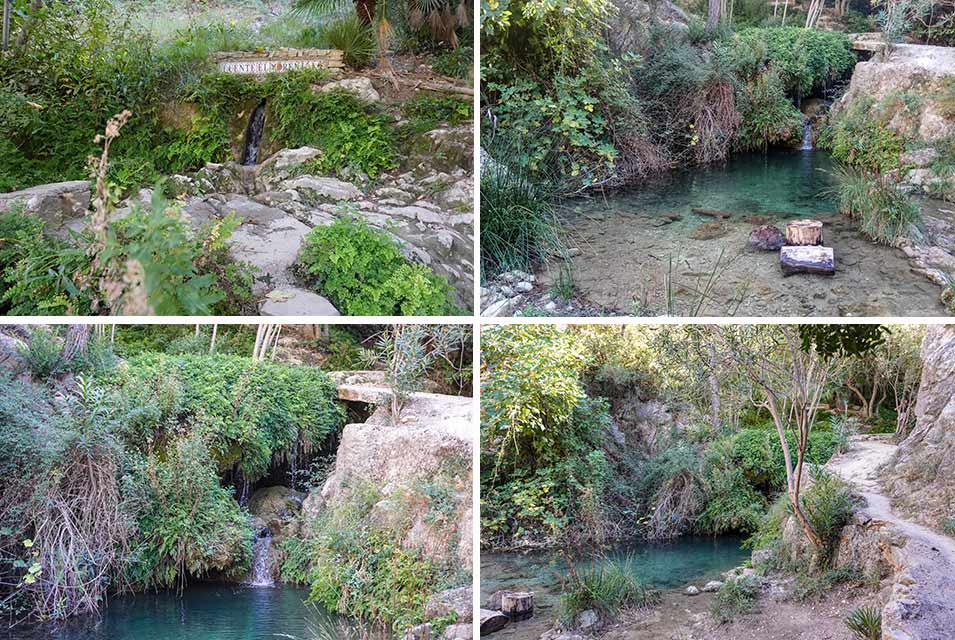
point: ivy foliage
(362, 271)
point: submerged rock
(767, 238)
(709, 231)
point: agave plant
(865, 623)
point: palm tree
(443, 17)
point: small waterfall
(253, 137)
(807, 135)
(262, 561)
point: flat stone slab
(292, 301)
(807, 259)
(55, 203)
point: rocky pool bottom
(670, 567)
(204, 611)
(645, 252)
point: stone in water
(818, 260)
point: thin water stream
(645, 252)
(253, 137)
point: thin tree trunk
(5, 37)
(24, 36)
(212, 343)
(713, 15)
(77, 342)
(714, 390)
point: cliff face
(420, 469)
(920, 479)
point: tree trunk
(5, 37)
(713, 15)
(24, 36)
(714, 390)
(77, 342)
(366, 10)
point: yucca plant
(865, 623)
(353, 37)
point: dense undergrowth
(137, 464)
(577, 111)
(583, 441)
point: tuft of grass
(828, 505)
(865, 623)
(948, 525)
(735, 598)
(884, 213)
(519, 226)
(607, 587)
(355, 39)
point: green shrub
(759, 455)
(865, 623)
(859, 136)
(884, 213)
(519, 226)
(806, 59)
(427, 112)
(42, 353)
(769, 117)
(353, 37)
(188, 524)
(361, 270)
(736, 597)
(247, 411)
(828, 506)
(814, 585)
(605, 586)
(948, 525)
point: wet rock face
(275, 507)
(921, 477)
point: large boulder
(925, 72)
(360, 86)
(56, 204)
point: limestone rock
(360, 86)
(282, 166)
(712, 586)
(294, 301)
(921, 477)
(458, 632)
(767, 238)
(442, 150)
(420, 632)
(587, 621)
(55, 203)
(917, 69)
(692, 590)
(457, 601)
(324, 189)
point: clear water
(780, 183)
(204, 612)
(673, 565)
(643, 251)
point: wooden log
(804, 233)
(819, 260)
(492, 621)
(517, 605)
(713, 213)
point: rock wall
(921, 478)
(432, 443)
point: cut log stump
(819, 260)
(804, 233)
(517, 605)
(492, 621)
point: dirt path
(921, 606)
